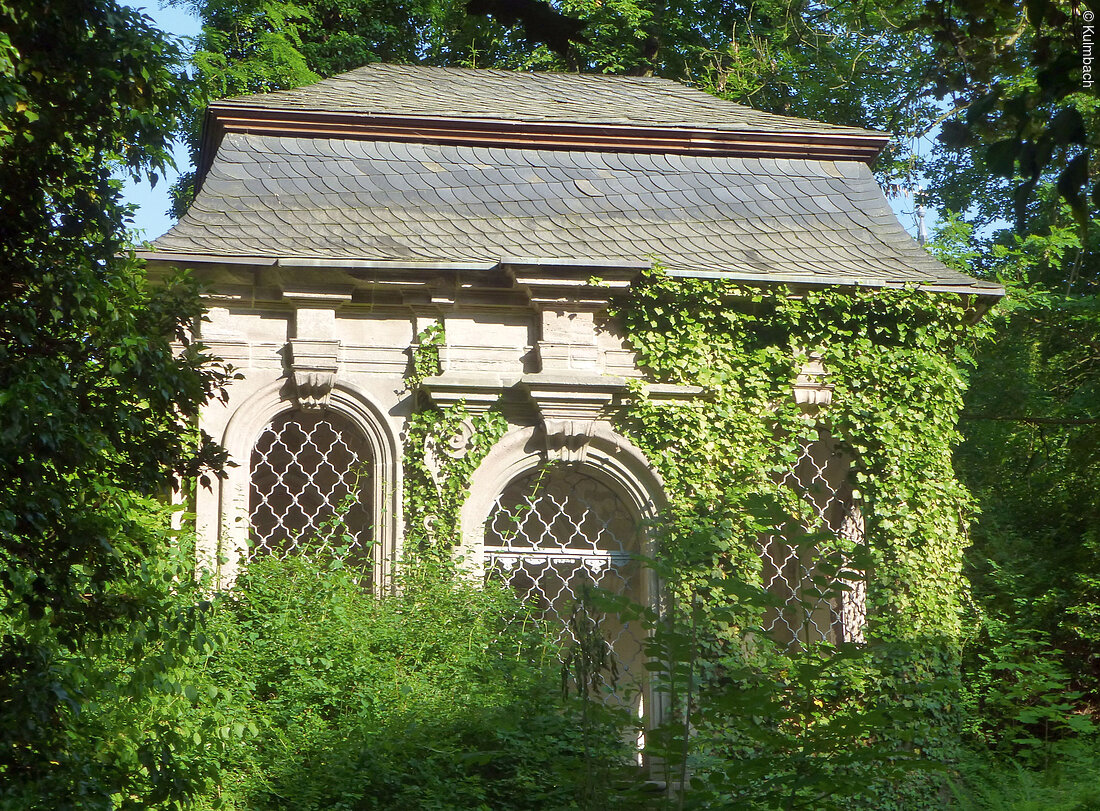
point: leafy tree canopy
(93, 397)
(1013, 72)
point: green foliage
(93, 400)
(1067, 783)
(439, 697)
(456, 443)
(122, 724)
(1020, 694)
(1030, 455)
(809, 729)
(754, 725)
(425, 359)
(251, 47)
(1013, 71)
(1032, 459)
(805, 732)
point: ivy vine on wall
(896, 361)
(443, 447)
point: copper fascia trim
(850, 146)
(984, 296)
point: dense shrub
(442, 696)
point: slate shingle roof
(404, 90)
(755, 219)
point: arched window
(553, 534)
(815, 566)
(310, 487)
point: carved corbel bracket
(568, 407)
(313, 366)
(315, 347)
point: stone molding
(478, 392)
(329, 297)
(568, 406)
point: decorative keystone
(810, 389)
(313, 365)
(567, 440)
(568, 406)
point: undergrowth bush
(751, 723)
(1019, 695)
(1067, 783)
(442, 696)
(130, 730)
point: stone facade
(535, 344)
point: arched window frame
(226, 553)
(610, 459)
(838, 513)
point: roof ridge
(494, 94)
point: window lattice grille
(552, 536)
(820, 480)
(305, 465)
